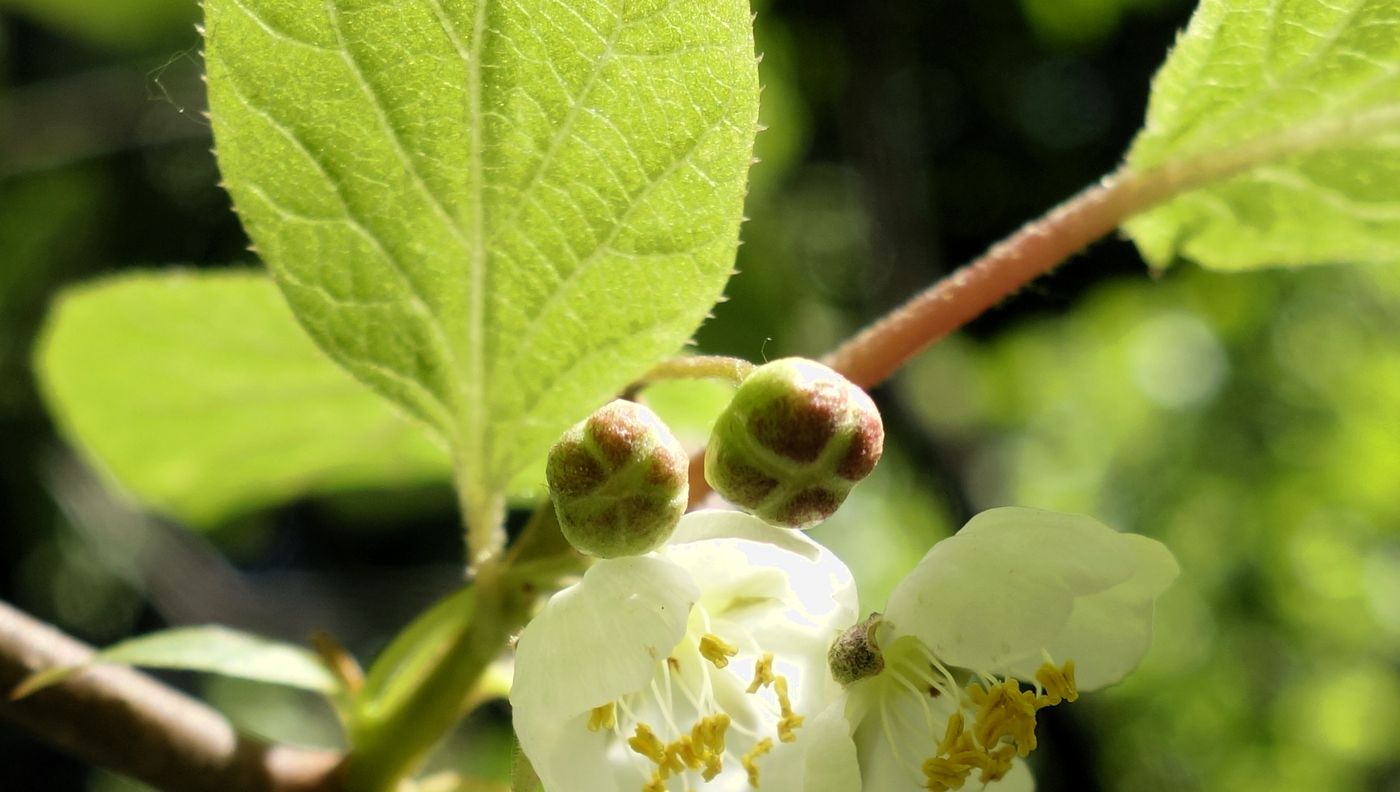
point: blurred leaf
(114, 23)
(496, 215)
(200, 395)
(689, 408)
(1078, 22)
(400, 667)
(1319, 79)
(44, 221)
(454, 782)
(212, 650)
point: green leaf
(495, 213)
(1308, 93)
(211, 649)
(199, 395)
(689, 408)
(403, 664)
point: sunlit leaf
(1317, 82)
(497, 214)
(211, 649)
(200, 395)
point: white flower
(1057, 603)
(693, 667)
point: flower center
(712, 704)
(992, 719)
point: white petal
(895, 732)
(789, 593)
(831, 753)
(569, 758)
(729, 524)
(600, 638)
(1108, 633)
(1005, 586)
(768, 590)
(771, 562)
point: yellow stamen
(709, 732)
(714, 649)
(1004, 710)
(604, 717)
(646, 743)
(951, 734)
(749, 759)
(1003, 727)
(762, 673)
(656, 784)
(789, 720)
(941, 775)
(680, 754)
(705, 748)
(996, 764)
(1058, 683)
(714, 765)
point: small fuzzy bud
(856, 654)
(792, 443)
(619, 481)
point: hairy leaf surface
(1310, 89)
(202, 397)
(495, 213)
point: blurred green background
(1250, 422)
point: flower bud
(619, 481)
(792, 443)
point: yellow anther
(780, 686)
(714, 649)
(789, 720)
(786, 726)
(703, 748)
(604, 717)
(996, 764)
(749, 760)
(646, 743)
(1058, 683)
(941, 775)
(951, 734)
(762, 673)
(1004, 710)
(656, 784)
(709, 731)
(957, 756)
(680, 754)
(714, 765)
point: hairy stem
(696, 367)
(127, 721)
(483, 516)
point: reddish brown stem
(880, 350)
(129, 722)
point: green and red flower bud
(793, 442)
(619, 481)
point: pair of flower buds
(789, 447)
